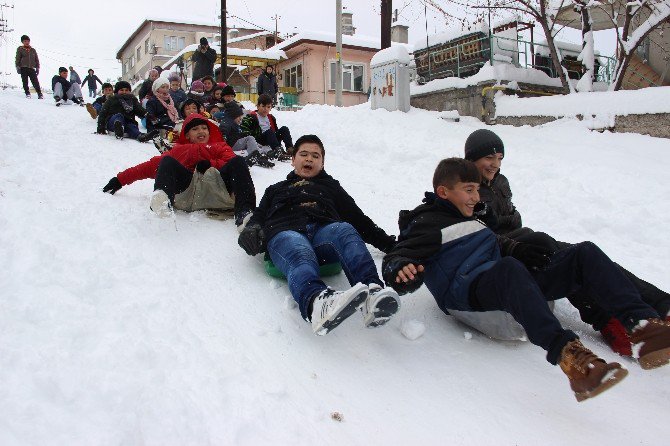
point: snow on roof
(450, 34)
(320, 36)
(572, 49)
(396, 52)
(270, 54)
(401, 22)
(249, 36)
(497, 72)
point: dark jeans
(272, 138)
(173, 178)
(97, 106)
(91, 92)
(129, 125)
(509, 286)
(298, 256)
(30, 73)
(589, 310)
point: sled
(327, 269)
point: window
(352, 76)
(146, 46)
(139, 53)
(131, 62)
(174, 43)
(124, 68)
(293, 77)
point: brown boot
(588, 374)
(91, 111)
(651, 343)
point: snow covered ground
(117, 327)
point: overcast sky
(89, 35)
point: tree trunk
(554, 57)
(587, 55)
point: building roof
(168, 20)
(251, 57)
(364, 43)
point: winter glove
(101, 132)
(18, 70)
(113, 186)
(485, 213)
(533, 256)
(251, 239)
(202, 166)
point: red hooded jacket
(216, 151)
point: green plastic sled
(329, 269)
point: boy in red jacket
(200, 172)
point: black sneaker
(40, 96)
(241, 220)
(28, 96)
(118, 130)
(160, 144)
(252, 159)
(280, 154)
(263, 161)
(144, 137)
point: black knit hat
(232, 110)
(121, 84)
(61, 69)
(482, 143)
(228, 90)
(195, 121)
(203, 41)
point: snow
(269, 54)
(499, 72)
(115, 328)
(391, 54)
(329, 37)
(451, 34)
(605, 103)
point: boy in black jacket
(94, 108)
(466, 267)
(64, 89)
(486, 150)
(310, 219)
(118, 114)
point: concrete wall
(467, 101)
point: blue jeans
(97, 106)
(298, 255)
(130, 126)
(91, 92)
(274, 139)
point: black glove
(101, 132)
(18, 70)
(533, 256)
(251, 239)
(113, 186)
(485, 213)
(202, 166)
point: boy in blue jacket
(467, 267)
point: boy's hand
(113, 186)
(202, 166)
(533, 256)
(101, 132)
(251, 239)
(408, 273)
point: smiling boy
(467, 268)
(309, 219)
(262, 125)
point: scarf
(164, 99)
(126, 103)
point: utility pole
(276, 19)
(386, 13)
(338, 54)
(224, 43)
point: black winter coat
(267, 84)
(292, 204)
(145, 89)
(58, 79)
(115, 104)
(498, 195)
(156, 112)
(91, 80)
(230, 130)
(203, 63)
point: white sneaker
(332, 307)
(160, 204)
(380, 306)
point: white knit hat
(158, 83)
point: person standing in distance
(28, 66)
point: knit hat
(203, 41)
(173, 77)
(158, 83)
(121, 84)
(232, 110)
(482, 143)
(195, 121)
(197, 86)
(228, 90)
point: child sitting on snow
(467, 268)
(200, 172)
(263, 126)
(64, 89)
(230, 128)
(161, 111)
(94, 108)
(118, 114)
(177, 94)
(486, 150)
(308, 218)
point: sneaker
(589, 375)
(91, 111)
(118, 129)
(160, 144)
(331, 307)
(651, 343)
(144, 137)
(617, 337)
(40, 96)
(160, 204)
(28, 96)
(252, 159)
(279, 154)
(380, 306)
(263, 161)
(242, 219)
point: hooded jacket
(292, 204)
(27, 58)
(498, 195)
(267, 84)
(115, 104)
(453, 249)
(186, 153)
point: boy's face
(489, 165)
(190, 109)
(463, 195)
(307, 161)
(174, 85)
(124, 90)
(63, 74)
(217, 94)
(208, 84)
(108, 91)
(153, 76)
(238, 120)
(214, 110)
(228, 97)
(264, 109)
(198, 134)
(26, 42)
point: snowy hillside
(118, 328)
